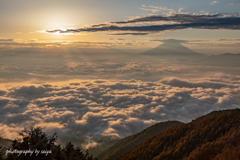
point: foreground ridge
(213, 136)
(129, 142)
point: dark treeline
(35, 138)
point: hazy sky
(26, 21)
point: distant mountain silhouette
(171, 47)
(215, 136)
(226, 59)
(129, 142)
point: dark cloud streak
(183, 21)
(134, 34)
(183, 18)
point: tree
(37, 145)
(1, 153)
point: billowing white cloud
(90, 111)
(96, 102)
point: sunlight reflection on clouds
(86, 110)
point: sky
(73, 67)
(28, 21)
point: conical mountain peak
(171, 47)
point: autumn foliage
(129, 142)
(215, 136)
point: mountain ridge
(226, 59)
(214, 136)
(129, 142)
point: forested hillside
(129, 142)
(215, 136)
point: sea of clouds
(86, 111)
(94, 103)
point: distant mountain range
(215, 136)
(227, 59)
(129, 142)
(171, 47)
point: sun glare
(63, 29)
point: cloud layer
(91, 112)
(95, 101)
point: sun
(63, 29)
(59, 32)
